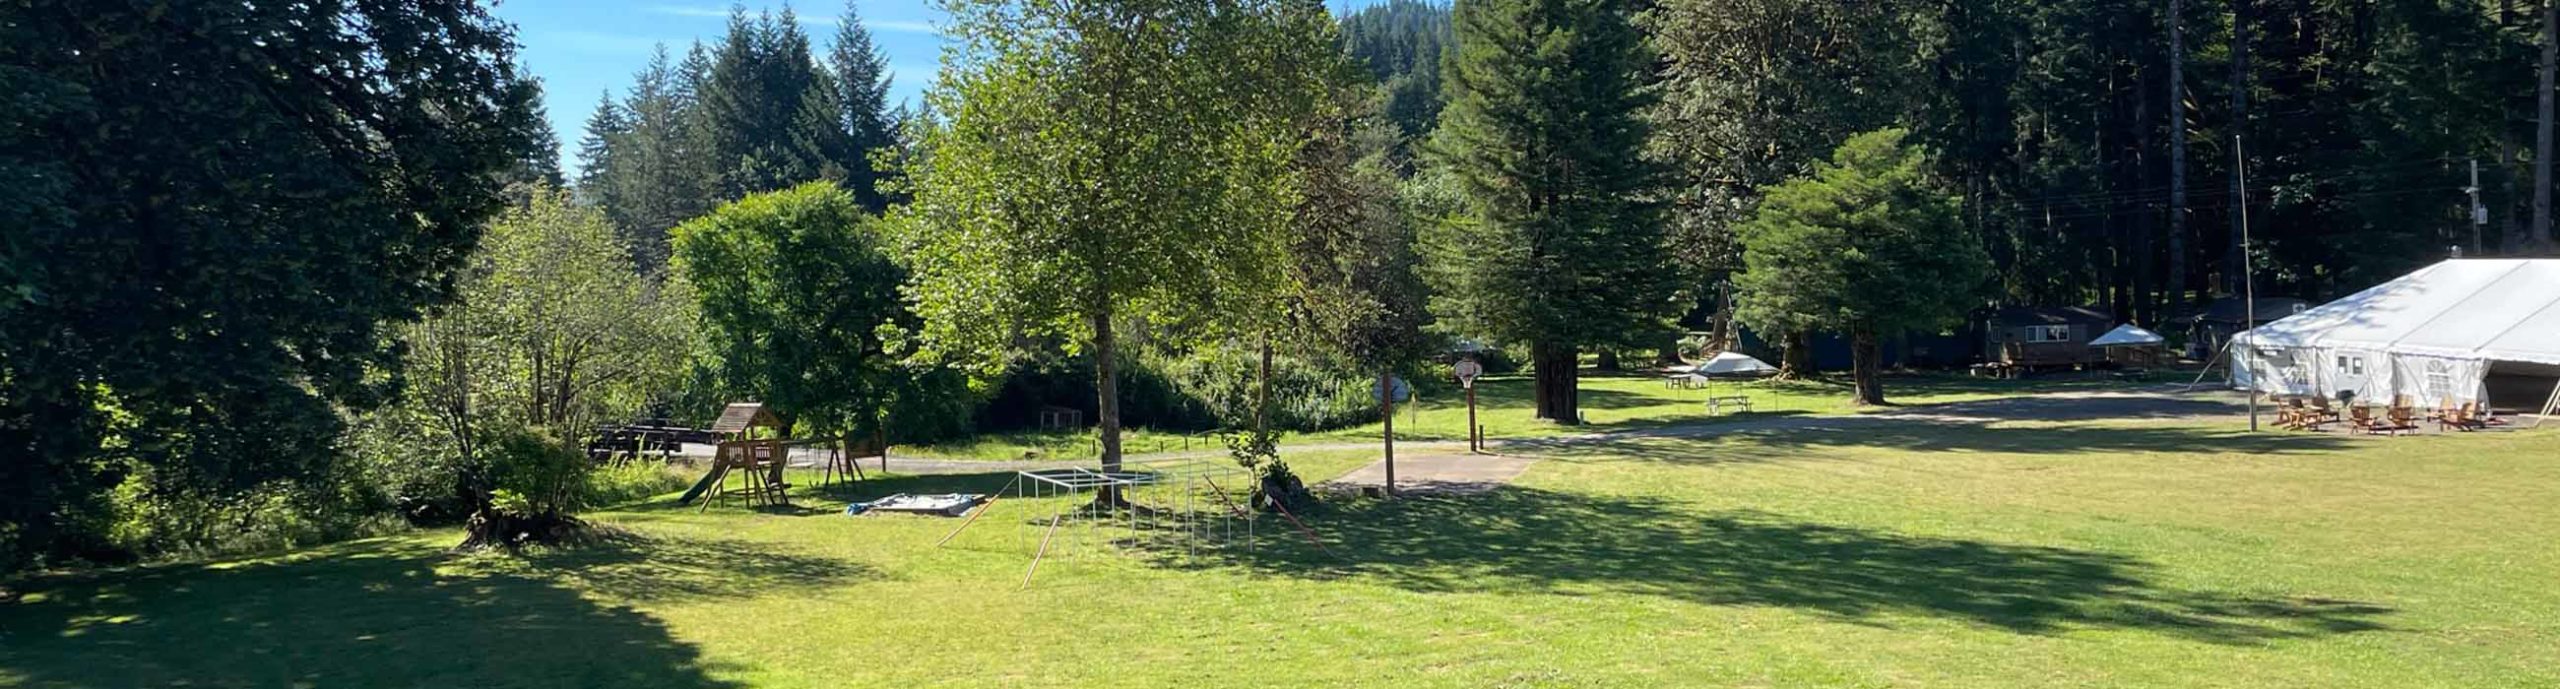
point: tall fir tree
(861, 79)
(752, 107)
(1544, 135)
(596, 148)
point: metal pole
(2248, 271)
(1475, 442)
(2479, 213)
(1387, 405)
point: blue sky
(583, 48)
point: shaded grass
(1979, 553)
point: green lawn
(1504, 407)
(2093, 554)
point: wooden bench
(1715, 405)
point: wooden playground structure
(756, 454)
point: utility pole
(2479, 213)
(2541, 230)
(2248, 277)
(2177, 282)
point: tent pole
(2547, 406)
(2208, 364)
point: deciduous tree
(210, 210)
(799, 299)
(1107, 162)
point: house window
(2048, 333)
(2351, 365)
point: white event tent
(2431, 336)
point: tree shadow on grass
(1528, 540)
(388, 613)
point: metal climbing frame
(1167, 508)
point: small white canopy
(1732, 362)
(2127, 335)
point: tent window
(2439, 379)
(2048, 333)
(2351, 365)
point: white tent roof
(2127, 335)
(2492, 309)
(1732, 362)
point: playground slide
(709, 479)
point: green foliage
(629, 482)
(1359, 294)
(860, 78)
(1868, 244)
(639, 162)
(533, 474)
(1224, 384)
(1401, 43)
(762, 106)
(210, 210)
(1064, 189)
(1758, 91)
(758, 111)
(1542, 139)
(800, 302)
(1102, 162)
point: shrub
(629, 482)
(533, 482)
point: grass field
(1972, 555)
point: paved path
(1438, 474)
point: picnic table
(1715, 405)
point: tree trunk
(2146, 225)
(1262, 390)
(1795, 360)
(1106, 384)
(2541, 230)
(1558, 399)
(1865, 360)
(2177, 277)
(2234, 263)
(1605, 359)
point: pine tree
(861, 78)
(595, 150)
(1868, 245)
(648, 174)
(752, 108)
(1544, 137)
(1402, 42)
